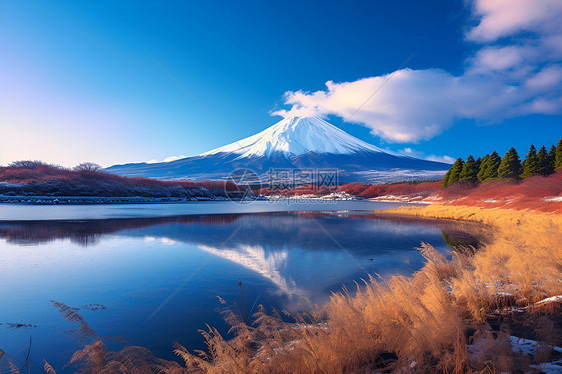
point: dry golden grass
(418, 323)
(524, 259)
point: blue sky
(80, 81)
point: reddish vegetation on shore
(367, 191)
(46, 173)
(52, 180)
(298, 191)
(419, 190)
(534, 193)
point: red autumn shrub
(41, 179)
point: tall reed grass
(429, 322)
(423, 323)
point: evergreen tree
(558, 156)
(531, 164)
(484, 164)
(510, 166)
(455, 171)
(445, 181)
(543, 161)
(469, 171)
(552, 156)
(478, 163)
(493, 164)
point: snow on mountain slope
(296, 143)
(294, 136)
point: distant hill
(37, 179)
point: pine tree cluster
(492, 167)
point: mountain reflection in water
(174, 268)
(292, 250)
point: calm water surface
(158, 278)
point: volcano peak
(294, 136)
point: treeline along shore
(491, 167)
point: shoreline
(37, 212)
(100, 200)
(481, 310)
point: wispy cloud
(174, 158)
(515, 71)
(167, 159)
(502, 18)
(418, 154)
(446, 159)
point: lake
(152, 274)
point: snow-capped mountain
(301, 143)
(296, 136)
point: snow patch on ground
(397, 175)
(529, 347)
(339, 195)
(550, 300)
(401, 198)
(554, 367)
(503, 294)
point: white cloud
(418, 104)
(409, 151)
(168, 241)
(174, 158)
(418, 154)
(496, 58)
(548, 77)
(501, 18)
(446, 159)
(500, 81)
(167, 159)
(533, 26)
